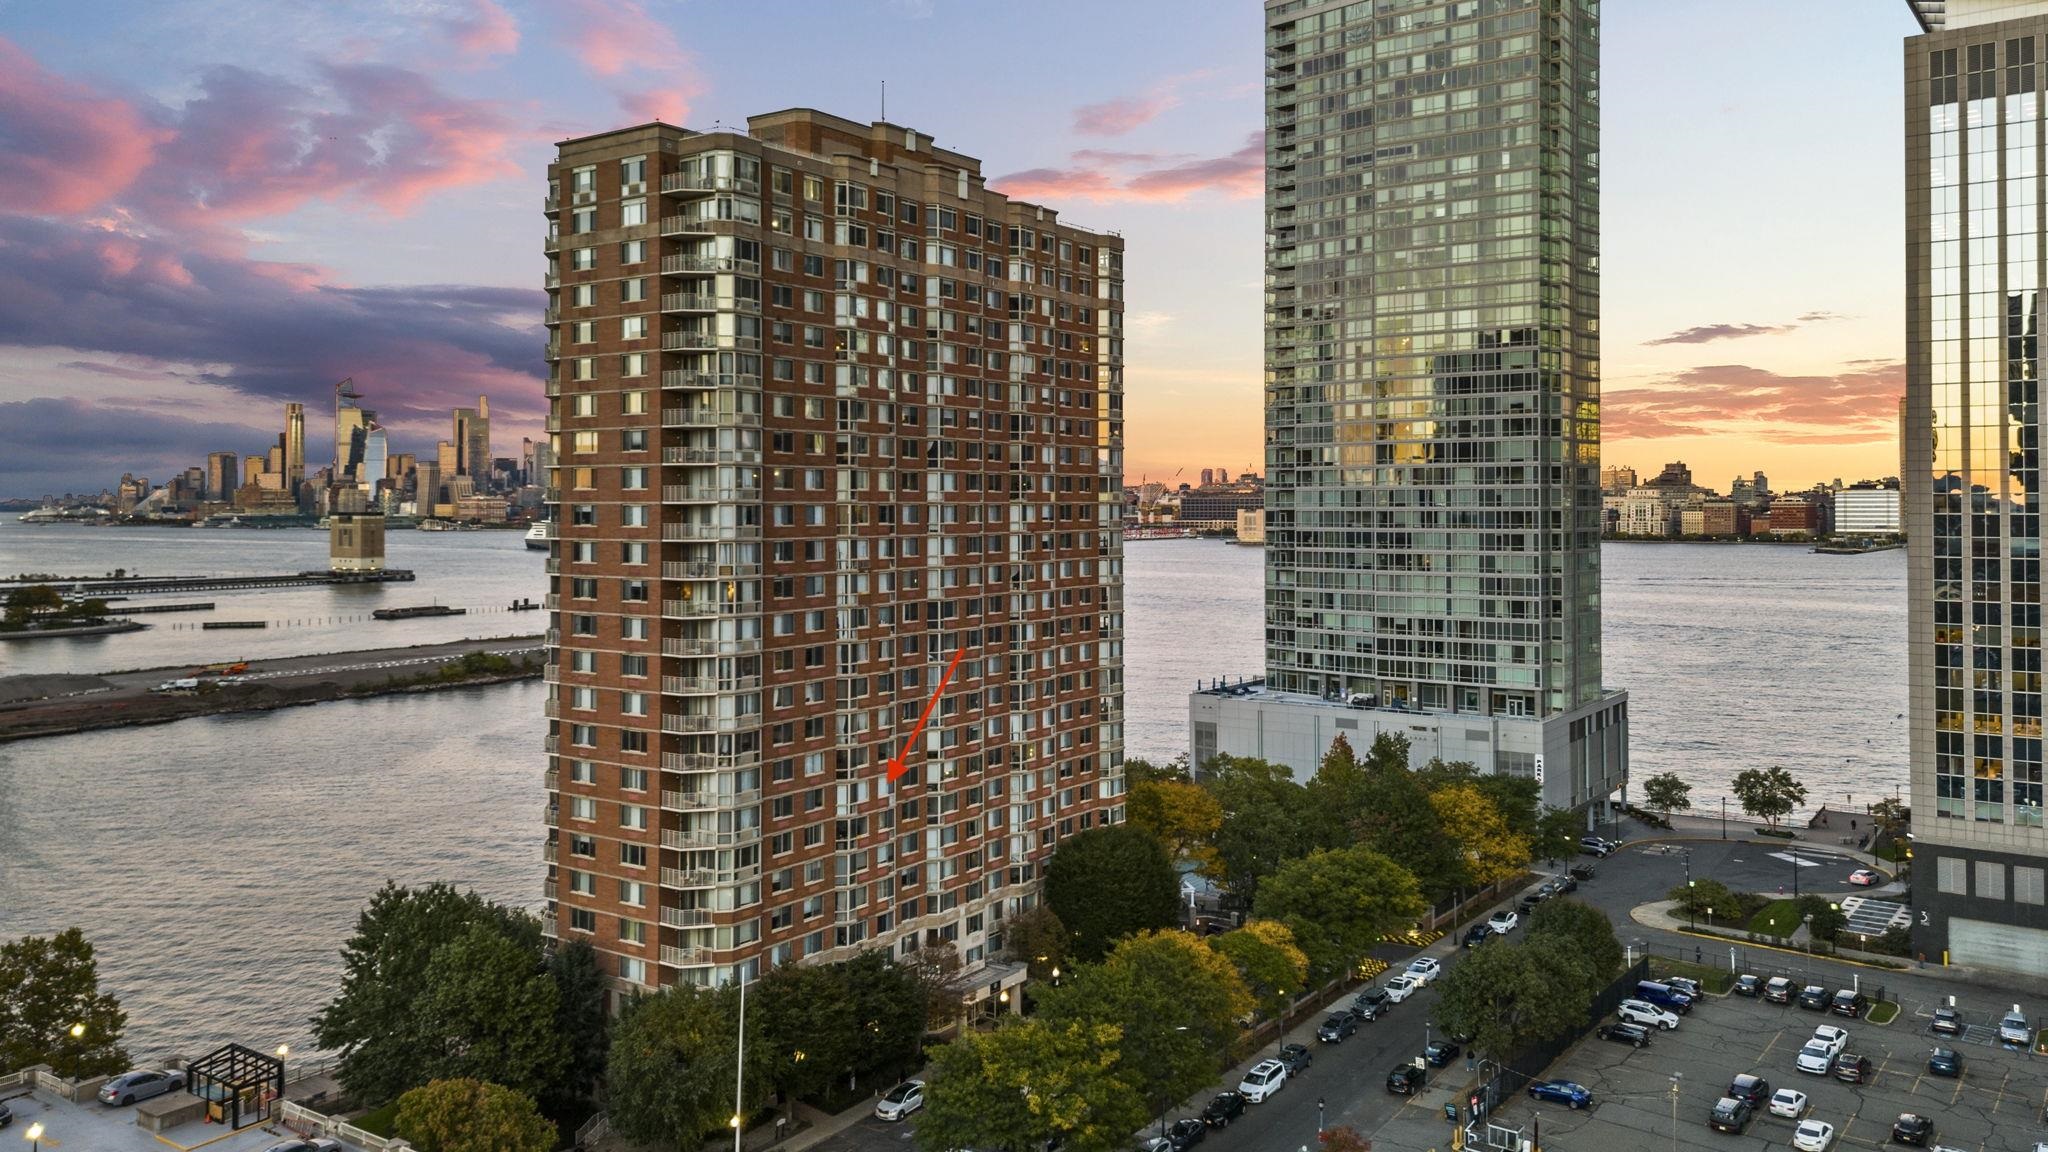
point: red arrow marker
(896, 765)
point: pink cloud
(1856, 406)
(1128, 176)
(668, 105)
(1116, 117)
(611, 36)
(485, 30)
(64, 148)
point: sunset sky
(208, 208)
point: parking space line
(2000, 1090)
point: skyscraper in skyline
(1972, 481)
(351, 430)
(294, 446)
(472, 441)
(1432, 395)
(835, 421)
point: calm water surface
(220, 863)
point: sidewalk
(1688, 827)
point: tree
(1493, 852)
(1268, 961)
(1693, 900)
(1106, 883)
(49, 987)
(1027, 1083)
(1265, 820)
(1827, 916)
(1583, 928)
(1768, 794)
(1345, 1139)
(581, 1022)
(1557, 834)
(1174, 1001)
(889, 1006)
(1394, 818)
(465, 1115)
(1336, 795)
(1036, 937)
(1338, 904)
(935, 967)
(1138, 770)
(669, 1076)
(1667, 792)
(374, 1021)
(808, 1025)
(1181, 815)
(488, 1012)
(1891, 815)
(1507, 996)
(24, 604)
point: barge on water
(417, 610)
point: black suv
(1440, 1052)
(1582, 872)
(1223, 1108)
(1731, 1114)
(1747, 986)
(1185, 1134)
(1632, 1034)
(1336, 1026)
(1912, 1128)
(1751, 1090)
(1814, 997)
(1296, 1058)
(1405, 1080)
(1477, 934)
(1849, 1002)
(1369, 1004)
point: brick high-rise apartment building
(826, 413)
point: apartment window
(633, 252)
(633, 479)
(582, 808)
(583, 699)
(1951, 876)
(582, 920)
(633, 328)
(584, 846)
(1990, 880)
(582, 295)
(633, 515)
(583, 588)
(814, 188)
(632, 171)
(583, 735)
(583, 515)
(582, 259)
(633, 364)
(633, 291)
(582, 771)
(582, 883)
(633, 855)
(583, 332)
(632, 892)
(633, 666)
(584, 442)
(633, 703)
(582, 220)
(2027, 885)
(632, 741)
(583, 368)
(632, 212)
(632, 931)
(633, 628)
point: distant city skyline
(248, 211)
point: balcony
(705, 570)
(551, 244)
(704, 801)
(686, 224)
(708, 342)
(675, 647)
(709, 456)
(688, 302)
(695, 494)
(710, 531)
(550, 204)
(685, 917)
(700, 416)
(692, 839)
(686, 265)
(689, 609)
(699, 183)
(676, 957)
(689, 685)
(709, 762)
(707, 877)
(551, 351)
(547, 925)
(552, 815)
(674, 723)
(551, 708)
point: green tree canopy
(466, 1115)
(1028, 1082)
(1336, 796)
(1667, 792)
(1492, 851)
(489, 1012)
(387, 1044)
(1557, 833)
(669, 1076)
(1265, 820)
(1582, 928)
(1394, 817)
(1174, 1001)
(1509, 995)
(1827, 916)
(582, 1023)
(1036, 937)
(808, 1026)
(1768, 793)
(889, 1005)
(1268, 961)
(1181, 815)
(1338, 904)
(49, 986)
(1704, 893)
(1107, 883)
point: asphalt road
(347, 666)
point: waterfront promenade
(51, 704)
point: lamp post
(1675, 1077)
(1710, 915)
(34, 1136)
(1319, 1118)
(1724, 817)
(1792, 854)
(1808, 921)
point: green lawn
(1778, 918)
(1882, 1012)
(1716, 980)
(379, 1121)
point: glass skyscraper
(1432, 392)
(1973, 508)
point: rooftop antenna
(885, 101)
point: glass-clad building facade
(1974, 134)
(1432, 386)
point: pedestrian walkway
(1686, 827)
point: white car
(1813, 1136)
(1644, 1012)
(1422, 970)
(1835, 1038)
(1789, 1103)
(1864, 878)
(1816, 1058)
(1401, 987)
(1262, 1081)
(901, 1101)
(1504, 921)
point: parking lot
(1995, 1106)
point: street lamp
(34, 1136)
(1319, 1117)
(1792, 854)
(283, 1050)
(78, 1030)
(1710, 915)
(1675, 1078)
(1808, 921)
(1724, 817)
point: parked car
(1852, 1069)
(1423, 969)
(1835, 1038)
(1789, 1103)
(1562, 1092)
(1406, 1080)
(1369, 1004)
(1643, 1012)
(1814, 998)
(1222, 1109)
(1747, 985)
(1730, 1114)
(1529, 903)
(1296, 1057)
(1595, 846)
(1336, 1026)
(1849, 1002)
(1632, 1034)
(1581, 872)
(901, 1101)
(1912, 1128)
(6, 1114)
(1566, 884)
(1185, 1134)
(308, 1144)
(1778, 990)
(1815, 1058)
(1813, 1136)
(1664, 996)
(1865, 877)
(1438, 1053)
(2013, 1029)
(1504, 921)
(1945, 1062)
(140, 1084)
(1754, 1089)
(1265, 1078)
(1947, 1021)
(1400, 988)
(1687, 985)
(1477, 934)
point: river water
(219, 863)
